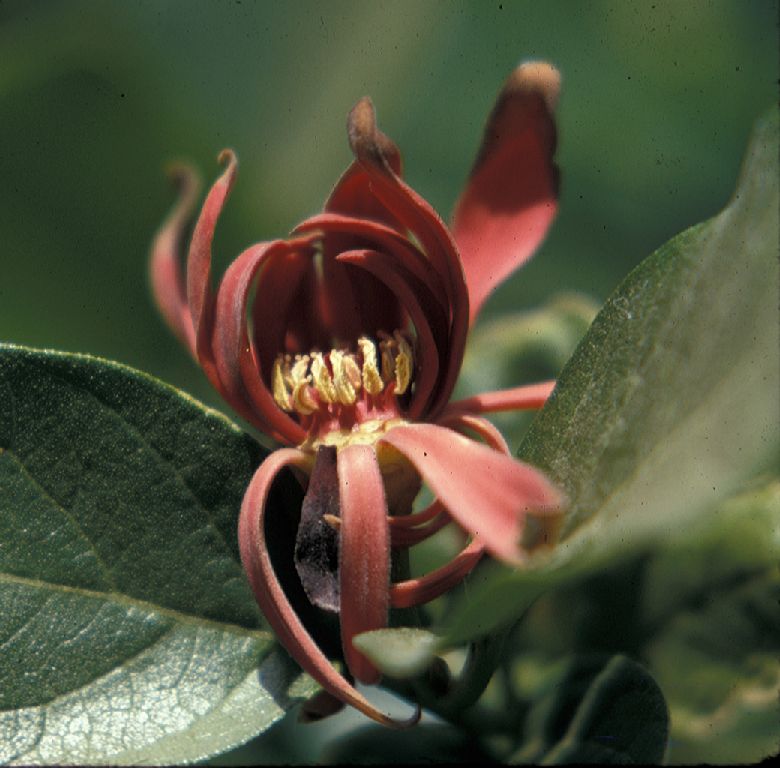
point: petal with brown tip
(511, 196)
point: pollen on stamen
(309, 382)
(323, 382)
(372, 381)
(403, 364)
(344, 379)
(279, 384)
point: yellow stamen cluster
(339, 375)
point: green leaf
(128, 632)
(401, 652)
(597, 711)
(713, 632)
(669, 403)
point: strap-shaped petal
(364, 554)
(423, 589)
(272, 600)
(401, 537)
(511, 196)
(528, 397)
(353, 196)
(353, 302)
(165, 268)
(413, 296)
(200, 298)
(486, 492)
(279, 303)
(415, 519)
(488, 431)
(406, 594)
(235, 358)
(420, 218)
(199, 293)
(383, 238)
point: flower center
(330, 382)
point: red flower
(349, 352)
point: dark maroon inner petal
(415, 296)
(283, 302)
(355, 303)
(381, 238)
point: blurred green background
(95, 97)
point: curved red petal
(272, 600)
(416, 518)
(199, 294)
(528, 397)
(364, 554)
(406, 594)
(224, 347)
(384, 238)
(278, 304)
(412, 296)
(408, 537)
(485, 429)
(511, 196)
(233, 350)
(486, 492)
(353, 302)
(165, 269)
(420, 218)
(353, 195)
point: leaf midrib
(127, 601)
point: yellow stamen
(342, 380)
(388, 366)
(372, 381)
(352, 369)
(302, 398)
(279, 384)
(403, 364)
(323, 383)
(306, 383)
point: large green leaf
(669, 403)
(128, 632)
(712, 631)
(597, 711)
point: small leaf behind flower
(402, 652)
(128, 632)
